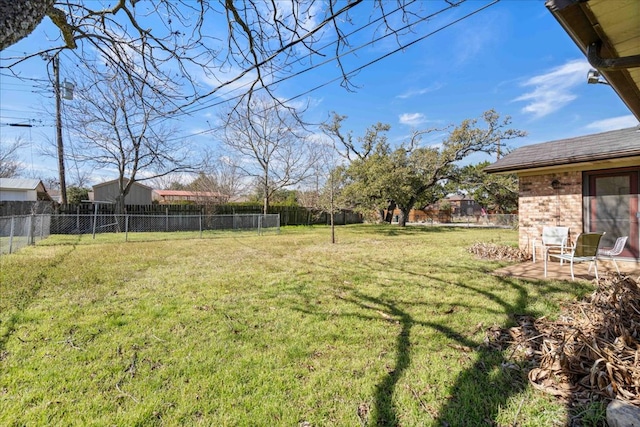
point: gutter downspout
(610, 64)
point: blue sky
(512, 57)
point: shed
(22, 190)
(588, 183)
(108, 192)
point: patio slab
(555, 271)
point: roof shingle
(615, 144)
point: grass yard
(383, 328)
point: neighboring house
(139, 194)
(22, 190)
(182, 196)
(588, 183)
(462, 205)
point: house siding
(108, 192)
(540, 205)
(18, 195)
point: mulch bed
(498, 252)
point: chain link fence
(22, 230)
(112, 223)
(488, 220)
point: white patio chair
(552, 238)
(584, 250)
(611, 253)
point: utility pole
(56, 75)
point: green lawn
(383, 328)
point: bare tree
(185, 41)
(330, 200)
(268, 145)
(113, 128)
(225, 177)
(9, 161)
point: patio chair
(552, 238)
(584, 250)
(611, 253)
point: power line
(362, 67)
(23, 125)
(385, 16)
(355, 70)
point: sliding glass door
(611, 205)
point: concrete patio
(555, 271)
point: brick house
(183, 196)
(588, 183)
(462, 205)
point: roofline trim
(575, 18)
(559, 162)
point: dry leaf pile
(497, 252)
(592, 352)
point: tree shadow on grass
(395, 230)
(480, 391)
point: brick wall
(540, 204)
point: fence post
(166, 215)
(13, 223)
(126, 227)
(95, 219)
(200, 224)
(31, 239)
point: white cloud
(553, 90)
(418, 92)
(613, 123)
(412, 119)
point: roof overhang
(608, 33)
(611, 149)
(619, 163)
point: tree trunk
(390, 209)
(18, 19)
(404, 216)
(119, 205)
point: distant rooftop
(19, 183)
(185, 193)
(617, 144)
